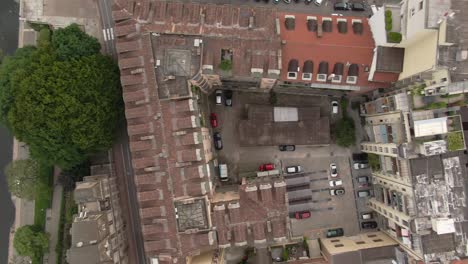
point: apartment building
(417, 175)
(431, 45)
(98, 231)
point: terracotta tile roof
(333, 47)
(260, 205)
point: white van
(223, 172)
(334, 107)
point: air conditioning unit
(321, 77)
(351, 79)
(336, 79)
(306, 76)
(292, 75)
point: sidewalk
(24, 209)
(53, 219)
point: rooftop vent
(357, 26)
(290, 22)
(342, 26)
(312, 23)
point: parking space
(359, 177)
(327, 211)
(308, 191)
(245, 161)
(300, 6)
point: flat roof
(430, 127)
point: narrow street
(8, 44)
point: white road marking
(104, 33)
(112, 33)
(108, 34)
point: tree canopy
(71, 42)
(64, 108)
(345, 135)
(22, 177)
(31, 241)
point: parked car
(218, 143)
(223, 172)
(335, 183)
(369, 225)
(219, 97)
(287, 147)
(334, 105)
(359, 165)
(318, 2)
(363, 179)
(336, 232)
(336, 192)
(302, 215)
(364, 193)
(213, 120)
(333, 170)
(293, 169)
(342, 6)
(358, 7)
(228, 98)
(366, 216)
(266, 167)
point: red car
(214, 120)
(266, 167)
(302, 215)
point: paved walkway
(52, 223)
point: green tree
(31, 241)
(66, 110)
(13, 68)
(345, 135)
(22, 178)
(71, 42)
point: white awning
(430, 127)
(285, 114)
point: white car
(335, 183)
(366, 216)
(294, 169)
(358, 166)
(333, 170)
(219, 97)
(334, 107)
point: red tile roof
(333, 47)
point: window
(373, 235)
(360, 242)
(377, 240)
(421, 5)
(412, 11)
(339, 245)
(334, 240)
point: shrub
(394, 37)
(455, 141)
(436, 105)
(225, 65)
(374, 161)
(345, 136)
(388, 13)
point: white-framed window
(306, 76)
(292, 75)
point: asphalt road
(121, 152)
(8, 43)
(124, 171)
(107, 25)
